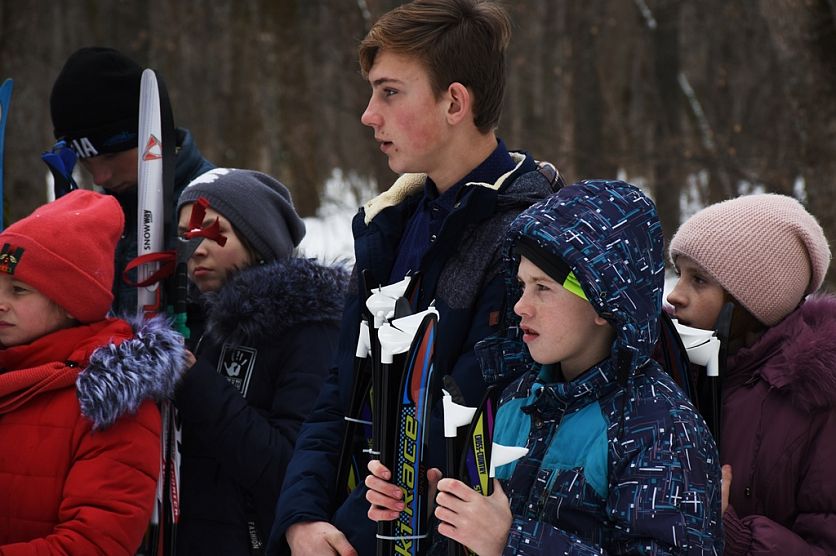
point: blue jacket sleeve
(313, 467)
(530, 538)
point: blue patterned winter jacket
(619, 461)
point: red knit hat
(65, 250)
(767, 251)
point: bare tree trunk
(591, 158)
(274, 85)
(668, 176)
(804, 35)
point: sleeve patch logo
(236, 364)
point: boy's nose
(370, 117)
(101, 173)
(521, 307)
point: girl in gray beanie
(765, 255)
(272, 321)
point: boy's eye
(389, 92)
(20, 289)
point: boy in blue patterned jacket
(618, 459)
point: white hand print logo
(237, 365)
(233, 368)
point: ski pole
(408, 407)
(703, 348)
(456, 416)
(5, 101)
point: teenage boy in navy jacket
(436, 69)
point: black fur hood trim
(264, 300)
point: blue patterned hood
(609, 233)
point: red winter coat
(80, 451)
(779, 435)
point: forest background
(696, 101)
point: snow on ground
(328, 236)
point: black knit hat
(258, 206)
(95, 102)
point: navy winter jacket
(271, 334)
(460, 272)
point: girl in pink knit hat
(764, 256)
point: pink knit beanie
(767, 251)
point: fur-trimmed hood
(114, 366)
(412, 184)
(797, 356)
(262, 301)
(119, 378)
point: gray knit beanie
(767, 251)
(257, 205)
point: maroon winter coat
(779, 435)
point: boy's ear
(601, 321)
(461, 103)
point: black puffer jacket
(271, 333)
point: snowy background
(329, 238)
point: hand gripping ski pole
(407, 349)
(380, 304)
(469, 432)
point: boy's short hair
(457, 41)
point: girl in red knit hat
(763, 257)
(79, 429)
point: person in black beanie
(94, 105)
